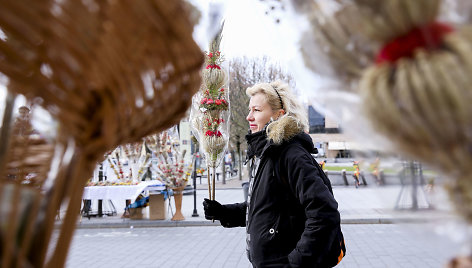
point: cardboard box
(157, 208)
(136, 213)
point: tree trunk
(238, 144)
(223, 170)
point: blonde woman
(291, 216)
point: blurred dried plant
(103, 70)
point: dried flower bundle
(103, 71)
(171, 167)
(210, 111)
(414, 81)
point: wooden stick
(209, 185)
(29, 230)
(7, 247)
(213, 184)
(6, 128)
(79, 169)
(54, 199)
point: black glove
(213, 209)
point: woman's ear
(282, 112)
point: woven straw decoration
(110, 72)
(330, 46)
(422, 102)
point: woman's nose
(250, 117)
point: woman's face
(260, 112)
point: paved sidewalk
(365, 205)
(368, 246)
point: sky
(248, 30)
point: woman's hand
(213, 209)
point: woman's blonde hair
(287, 101)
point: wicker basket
(109, 72)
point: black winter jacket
(292, 217)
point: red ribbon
(429, 37)
(213, 66)
(213, 133)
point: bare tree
(245, 72)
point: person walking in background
(22, 126)
(323, 164)
(229, 162)
(291, 216)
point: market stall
(115, 192)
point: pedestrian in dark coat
(291, 216)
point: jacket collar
(276, 133)
(256, 143)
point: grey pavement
(367, 205)
(368, 245)
(377, 235)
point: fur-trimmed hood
(283, 129)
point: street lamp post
(100, 201)
(194, 176)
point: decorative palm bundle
(114, 160)
(130, 154)
(138, 160)
(417, 89)
(210, 111)
(171, 166)
(172, 170)
(103, 70)
(158, 143)
(332, 45)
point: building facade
(328, 137)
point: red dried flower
(213, 66)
